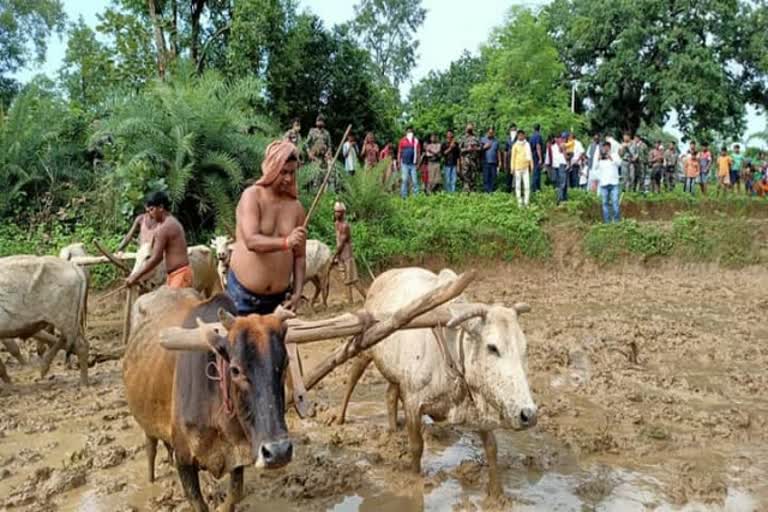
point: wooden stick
(85, 261)
(112, 259)
(112, 292)
(381, 330)
(309, 331)
(321, 190)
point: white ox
(222, 247)
(319, 259)
(205, 279)
(471, 373)
(44, 342)
(39, 292)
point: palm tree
(198, 138)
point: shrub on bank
(689, 237)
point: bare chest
(277, 220)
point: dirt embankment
(650, 384)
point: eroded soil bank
(651, 386)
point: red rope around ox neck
(221, 366)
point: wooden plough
(362, 329)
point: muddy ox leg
(235, 493)
(150, 445)
(169, 449)
(494, 482)
(415, 438)
(358, 368)
(48, 357)
(13, 348)
(191, 485)
(3, 373)
(318, 288)
(81, 345)
(393, 394)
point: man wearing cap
(269, 251)
(319, 143)
(344, 257)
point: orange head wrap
(276, 156)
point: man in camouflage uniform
(639, 152)
(627, 169)
(294, 136)
(319, 148)
(470, 158)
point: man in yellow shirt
(724, 163)
(521, 164)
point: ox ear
(460, 313)
(226, 318)
(283, 314)
(521, 308)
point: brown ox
(219, 410)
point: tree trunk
(162, 49)
(175, 30)
(197, 12)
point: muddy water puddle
(681, 424)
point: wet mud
(650, 383)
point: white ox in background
(66, 254)
(39, 292)
(475, 376)
(222, 247)
(319, 259)
(205, 278)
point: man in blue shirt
(491, 160)
(537, 151)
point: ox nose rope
(221, 375)
(457, 369)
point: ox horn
(522, 308)
(283, 314)
(466, 312)
(226, 318)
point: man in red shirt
(408, 159)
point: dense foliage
(638, 61)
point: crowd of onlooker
(605, 166)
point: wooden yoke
(365, 330)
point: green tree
(130, 47)
(197, 138)
(24, 29)
(387, 29)
(25, 26)
(88, 72)
(41, 150)
(317, 70)
(524, 79)
(441, 100)
(636, 62)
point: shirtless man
(169, 244)
(269, 252)
(344, 256)
(145, 226)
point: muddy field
(651, 387)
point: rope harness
(222, 376)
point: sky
(450, 28)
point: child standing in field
(692, 167)
(723, 171)
(747, 175)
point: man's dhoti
(180, 278)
